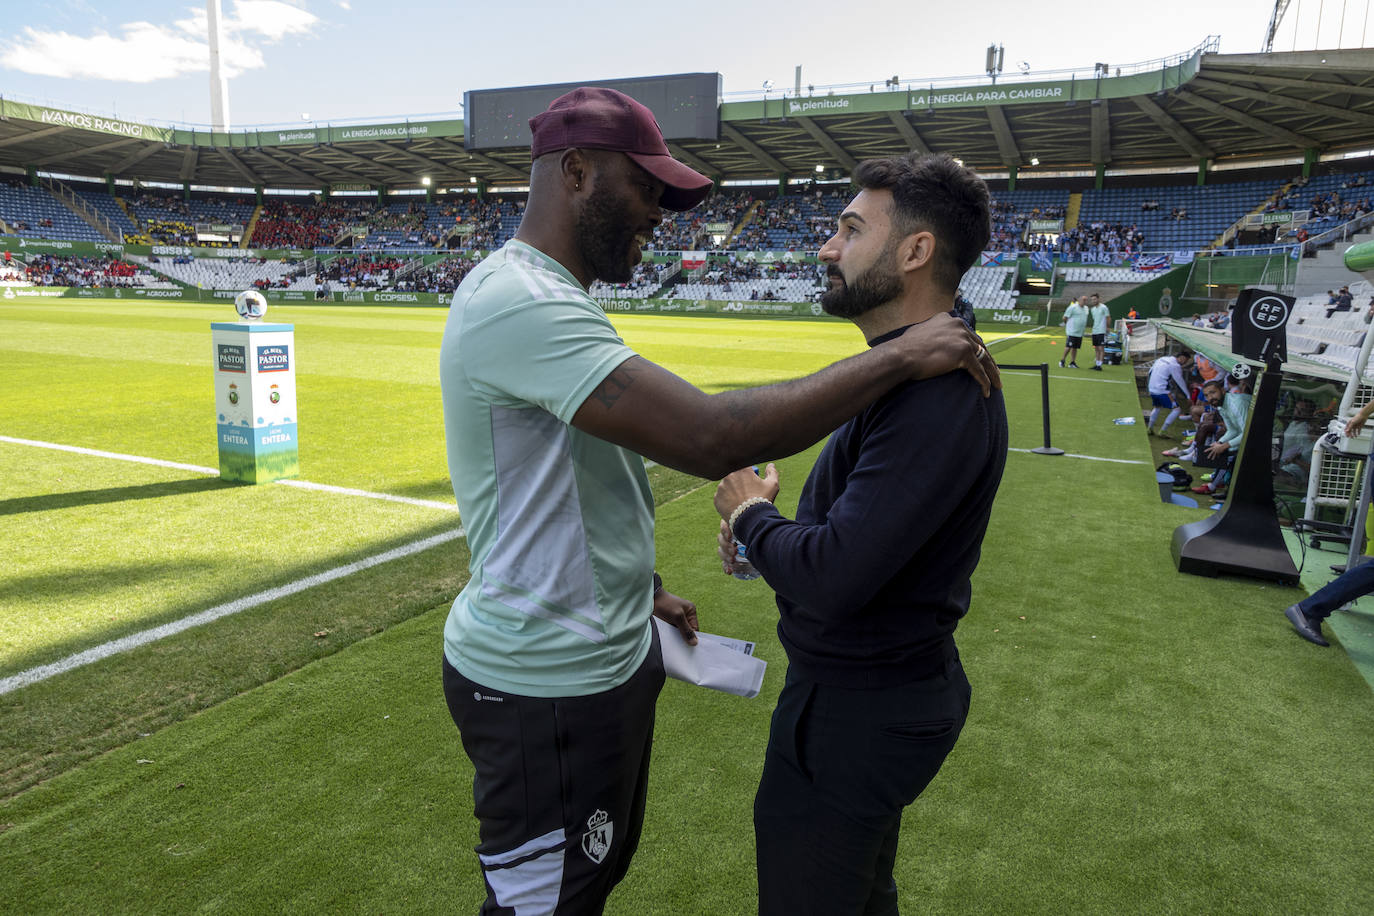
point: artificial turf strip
(1353, 627)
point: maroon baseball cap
(594, 118)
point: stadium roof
(1205, 105)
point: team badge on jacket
(596, 842)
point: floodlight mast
(219, 87)
(1280, 7)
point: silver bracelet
(739, 510)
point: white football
(250, 304)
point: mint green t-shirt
(1101, 316)
(560, 524)
(1075, 320)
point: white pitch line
(349, 491)
(214, 472)
(1075, 378)
(1084, 457)
(137, 459)
(1040, 327)
(143, 637)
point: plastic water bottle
(743, 568)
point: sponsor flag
(1295, 252)
(992, 259)
(1152, 261)
(1183, 257)
(1042, 260)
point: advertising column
(255, 399)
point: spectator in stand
(1344, 300)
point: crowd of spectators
(440, 277)
(732, 269)
(169, 232)
(308, 223)
(359, 272)
(1216, 320)
(804, 222)
(1009, 226)
(66, 270)
(1098, 238)
(688, 231)
(1332, 205)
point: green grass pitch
(1140, 741)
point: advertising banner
(931, 97)
(255, 400)
(316, 135)
(756, 309)
(60, 247)
(75, 119)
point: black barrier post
(1044, 368)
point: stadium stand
(306, 222)
(359, 272)
(990, 287)
(647, 280)
(84, 272)
(736, 279)
(1331, 200)
(34, 213)
(224, 273)
(1176, 218)
(1336, 340)
(1012, 212)
(1106, 275)
(440, 277)
(107, 206)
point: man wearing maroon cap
(551, 668)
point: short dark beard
(877, 285)
(605, 235)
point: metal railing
(90, 214)
(1210, 45)
(1338, 233)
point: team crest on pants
(596, 842)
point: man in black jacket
(873, 575)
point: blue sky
(341, 60)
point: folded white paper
(717, 662)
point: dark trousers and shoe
(558, 790)
(841, 766)
(1307, 615)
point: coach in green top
(1075, 321)
(550, 667)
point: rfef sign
(1258, 325)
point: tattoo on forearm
(613, 386)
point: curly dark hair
(933, 193)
